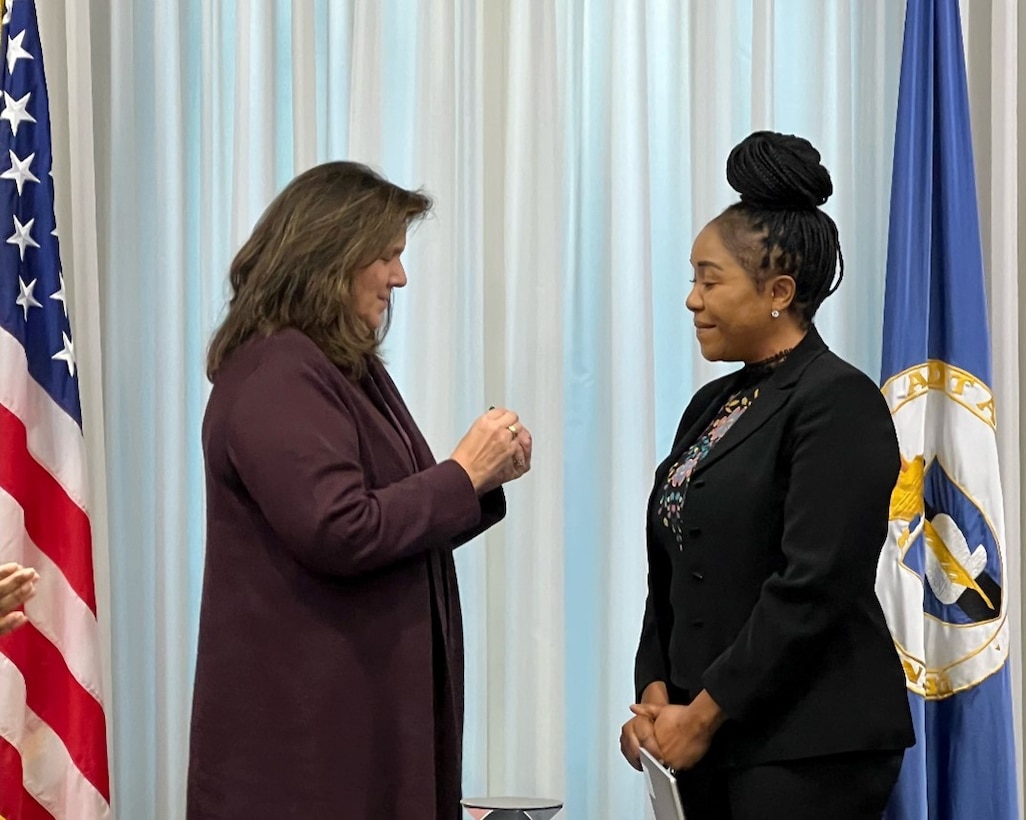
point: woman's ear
(782, 292)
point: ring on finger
(513, 429)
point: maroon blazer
(329, 675)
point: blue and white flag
(942, 574)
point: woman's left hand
(522, 458)
(684, 733)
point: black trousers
(851, 786)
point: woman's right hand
(17, 585)
(490, 451)
(639, 732)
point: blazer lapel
(773, 395)
(395, 408)
(695, 426)
(771, 398)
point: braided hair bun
(778, 172)
(778, 227)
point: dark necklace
(770, 362)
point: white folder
(662, 789)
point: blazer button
(697, 576)
(698, 623)
(694, 532)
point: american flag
(53, 748)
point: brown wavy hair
(297, 267)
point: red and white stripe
(53, 743)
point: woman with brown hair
(329, 676)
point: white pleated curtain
(573, 148)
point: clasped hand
(678, 736)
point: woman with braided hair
(765, 674)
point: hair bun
(778, 172)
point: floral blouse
(670, 499)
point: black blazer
(771, 605)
